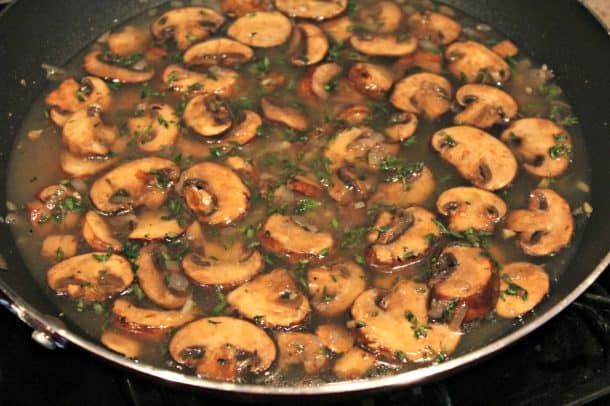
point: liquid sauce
(307, 203)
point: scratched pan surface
(561, 34)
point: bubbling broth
(299, 192)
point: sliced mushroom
(505, 49)
(215, 193)
(153, 282)
(474, 62)
(129, 40)
(71, 96)
(238, 8)
(95, 64)
(245, 169)
(97, 233)
(381, 17)
(136, 319)
(59, 247)
(223, 348)
(466, 274)
(339, 29)
(85, 134)
(272, 299)
(313, 9)
(143, 182)
(334, 289)
(155, 225)
(522, 287)
(425, 60)
(423, 93)
(187, 25)
(194, 235)
(83, 167)
(218, 81)
(218, 51)
(471, 208)
(401, 239)
(546, 226)
(207, 116)
(485, 106)
(245, 128)
(435, 27)
(335, 337)
(92, 277)
(123, 343)
(302, 348)
(403, 128)
(478, 156)
(231, 268)
(155, 128)
(305, 186)
(355, 114)
(544, 147)
(383, 44)
(359, 146)
(263, 29)
(289, 116)
(419, 188)
(313, 47)
(370, 79)
(284, 236)
(395, 325)
(355, 363)
(349, 185)
(319, 81)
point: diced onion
(53, 72)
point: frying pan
(560, 33)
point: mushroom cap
(85, 134)
(129, 40)
(339, 29)
(245, 128)
(218, 81)
(97, 233)
(335, 337)
(381, 17)
(421, 187)
(289, 116)
(238, 8)
(422, 93)
(234, 268)
(124, 343)
(82, 167)
(470, 59)
(71, 96)
(314, 43)
(533, 281)
(95, 65)
(218, 51)
(334, 289)
(273, 298)
(207, 116)
(313, 9)
(354, 146)
(354, 364)
(321, 76)
(223, 348)
(155, 225)
(301, 348)
(546, 226)
(471, 207)
(370, 79)
(435, 27)
(543, 146)
(137, 319)
(383, 44)
(263, 29)
(478, 156)
(156, 128)
(403, 127)
(485, 106)
(186, 25)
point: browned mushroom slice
(305, 186)
(272, 299)
(245, 169)
(92, 277)
(187, 25)
(358, 146)
(466, 274)
(355, 363)
(425, 60)
(320, 81)
(334, 289)
(348, 186)
(423, 93)
(129, 40)
(289, 116)
(339, 29)
(218, 81)
(83, 167)
(435, 27)
(58, 247)
(218, 51)
(284, 236)
(194, 235)
(470, 207)
(419, 188)
(522, 287)
(505, 49)
(238, 8)
(403, 128)
(395, 325)
(302, 349)
(235, 267)
(547, 225)
(155, 225)
(478, 156)
(123, 343)
(245, 128)
(98, 234)
(474, 62)
(223, 348)
(207, 116)
(543, 146)
(84, 133)
(71, 96)
(370, 79)
(153, 282)
(335, 337)
(214, 193)
(313, 47)
(485, 106)
(312, 9)
(155, 128)
(96, 64)
(400, 239)
(381, 17)
(143, 182)
(263, 29)
(355, 114)
(383, 44)
(136, 319)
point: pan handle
(40, 334)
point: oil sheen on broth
(316, 199)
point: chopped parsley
(513, 289)
(105, 256)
